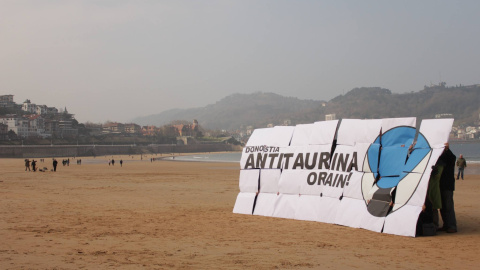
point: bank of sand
(178, 215)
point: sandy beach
(178, 215)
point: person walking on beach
(461, 164)
(55, 162)
(113, 162)
(121, 163)
(27, 164)
(447, 186)
(34, 165)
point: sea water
(470, 151)
(210, 157)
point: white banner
(370, 174)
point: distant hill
(260, 109)
(237, 110)
(462, 102)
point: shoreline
(473, 168)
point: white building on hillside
(29, 107)
(38, 109)
(17, 124)
(41, 109)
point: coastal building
(40, 120)
(6, 98)
(41, 109)
(66, 129)
(29, 106)
(3, 132)
(6, 101)
(471, 132)
(149, 130)
(329, 117)
(470, 129)
(16, 123)
(113, 128)
(36, 126)
(443, 115)
(187, 129)
(132, 128)
(51, 127)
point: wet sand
(178, 215)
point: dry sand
(178, 215)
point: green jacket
(433, 192)
(461, 163)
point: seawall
(36, 151)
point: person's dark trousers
(448, 211)
(460, 172)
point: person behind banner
(428, 220)
(461, 164)
(447, 186)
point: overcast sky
(116, 60)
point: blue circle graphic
(390, 158)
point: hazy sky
(116, 60)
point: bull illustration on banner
(370, 174)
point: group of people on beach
(33, 164)
(66, 162)
(440, 195)
(27, 164)
(112, 162)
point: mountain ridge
(260, 109)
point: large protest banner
(371, 174)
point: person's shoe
(451, 231)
